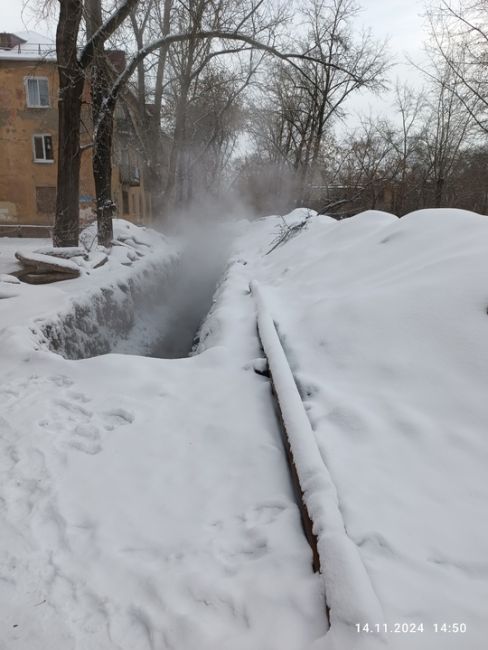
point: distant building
(29, 139)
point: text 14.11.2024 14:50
(410, 628)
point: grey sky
(402, 23)
(12, 19)
(398, 20)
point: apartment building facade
(29, 141)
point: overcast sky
(398, 20)
(12, 18)
(402, 23)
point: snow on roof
(36, 47)
(34, 37)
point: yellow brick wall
(19, 174)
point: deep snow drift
(145, 504)
(384, 322)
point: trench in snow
(167, 318)
(162, 319)
(187, 303)
(157, 312)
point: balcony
(129, 175)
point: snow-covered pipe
(349, 593)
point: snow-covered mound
(145, 503)
(96, 312)
(385, 324)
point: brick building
(29, 140)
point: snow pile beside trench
(93, 314)
(384, 323)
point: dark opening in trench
(167, 322)
(185, 309)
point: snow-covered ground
(145, 503)
(384, 322)
(9, 246)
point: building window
(46, 200)
(125, 202)
(37, 92)
(43, 148)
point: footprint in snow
(78, 397)
(244, 538)
(74, 409)
(73, 424)
(61, 380)
(8, 394)
(77, 426)
(265, 514)
(248, 545)
(116, 418)
(86, 438)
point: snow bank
(106, 306)
(384, 323)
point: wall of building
(27, 188)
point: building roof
(32, 46)
(27, 46)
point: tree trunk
(102, 153)
(174, 181)
(154, 175)
(102, 128)
(71, 82)
(439, 192)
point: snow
(384, 323)
(349, 593)
(66, 252)
(10, 279)
(130, 540)
(52, 306)
(37, 47)
(145, 503)
(34, 37)
(9, 246)
(42, 261)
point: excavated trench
(157, 313)
(187, 304)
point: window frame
(26, 83)
(125, 203)
(43, 161)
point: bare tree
(72, 67)
(448, 128)
(410, 106)
(218, 39)
(305, 103)
(99, 75)
(459, 36)
(368, 168)
(144, 100)
(329, 66)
